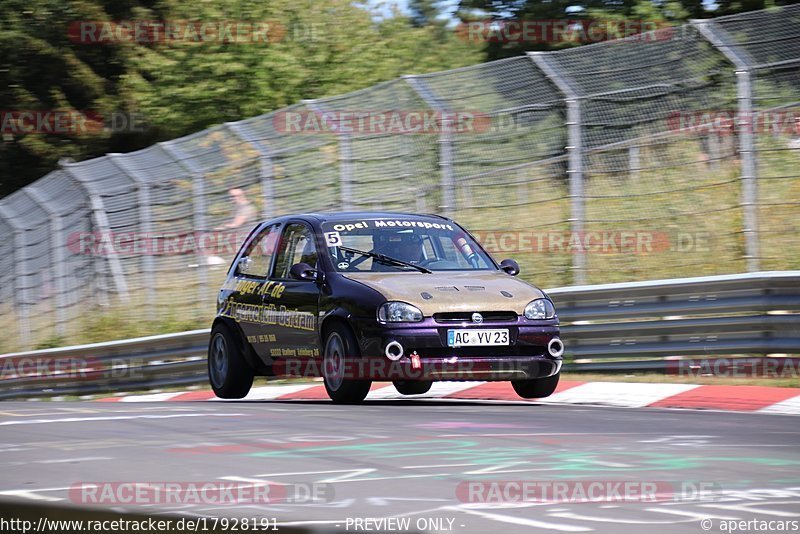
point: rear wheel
(228, 372)
(412, 387)
(341, 346)
(537, 388)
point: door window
(297, 246)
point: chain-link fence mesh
(769, 43)
(649, 175)
(675, 153)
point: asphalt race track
(413, 459)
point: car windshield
(433, 244)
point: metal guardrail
(610, 327)
(755, 313)
(125, 365)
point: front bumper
(426, 355)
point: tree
(179, 86)
(42, 70)
(670, 12)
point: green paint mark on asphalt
(391, 449)
(558, 464)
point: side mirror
(303, 271)
(244, 264)
(510, 267)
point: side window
(297, 246)
(259, 253)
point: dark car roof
(350, 215)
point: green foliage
(179, 87)
(666, 12)
(51, 343)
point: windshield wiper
(386, 259)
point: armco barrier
(612, 327)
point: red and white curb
(762, 399)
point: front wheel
(537, 388)
(230, 375)
(412, 387)
(341, 346)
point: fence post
(744, 124)
(21, 297)
(575, 157)
(446, 156)
(634, 162)
(145, 214)
(267, 171)
(198, 213)
(345, 159)
(57, 259)
(101, 222)
(749, 176)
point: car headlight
(399, 312)
(540, 309)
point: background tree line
(176, 88)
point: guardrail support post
(199, 214)
(57, 259)
(21, 297)
(634, 162)
(747, 153)
(574, 149)
(145, 214)
(745, 122)
(101, 223)
(446, 156)
(101, 220)
(345, 160)
(346, 169)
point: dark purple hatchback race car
(357, 297)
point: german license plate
(476, 338)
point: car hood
(452, 291)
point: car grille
(466, 317)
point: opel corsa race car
(357, 297)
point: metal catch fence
(675, 153)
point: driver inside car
(406, 247)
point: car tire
(229, 374)
(412, 387)
(537, 388)
(340, 346)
